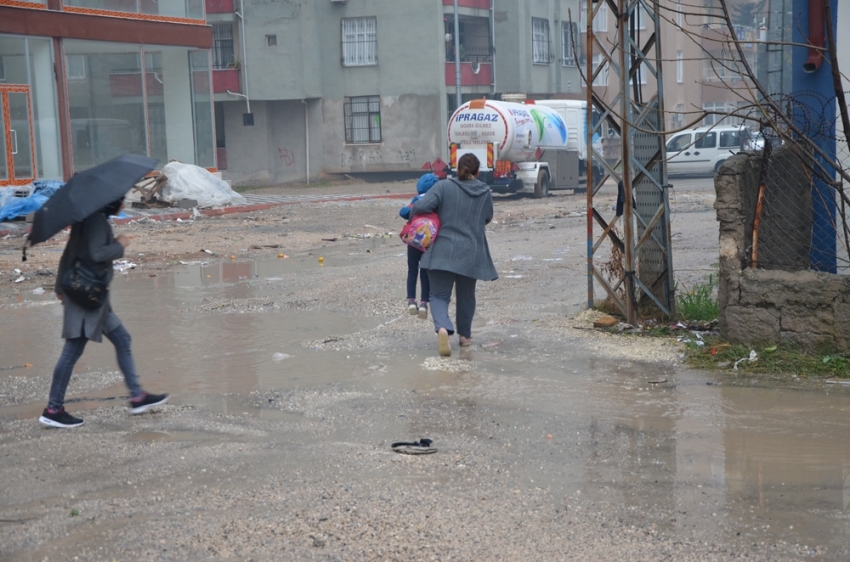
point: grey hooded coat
(464, 207)
(91, 239)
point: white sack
(187, 181)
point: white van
(702, 150)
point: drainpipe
(241, 15)
(816, 36)
(458, 97)
(307, 137)
(493, 45)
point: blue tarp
(11, 206)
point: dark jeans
(413, 257)
(441, 295)
(73, 350)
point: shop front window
(142, 100)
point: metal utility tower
(645, 281)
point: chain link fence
(800, 219)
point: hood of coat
(473, 187)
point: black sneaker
(60, 418)
(147, 402)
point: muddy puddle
(761, 464)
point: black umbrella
(88, 192)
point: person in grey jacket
(459, 255)
(93, 240)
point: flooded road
(284, 405)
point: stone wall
(782, 301)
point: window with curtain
(571, 40)
(359, 41)
(540, 41)
(362, 116)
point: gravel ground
(526, 469)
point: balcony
(226, 79)
(484, 76)
(219, 6)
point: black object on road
(86, 193)
(421, 447)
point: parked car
(704, 149)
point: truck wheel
(541, 188)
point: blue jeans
(441, 295)
(413, 257)
(73, 350)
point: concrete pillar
(177, 99)
(46, 125)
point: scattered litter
(752, 358)
(521, 258)
(16, 270)
(605, 322)
(842, 382)
(24, 366)
(123, 266)
(658, 382)
(491, 344)
(274, 278)
(38, 291)
(195, 262)
(370, 226)
(208, 252)
(280, 356)
(19, 279)
(513, 276)
(553, 259)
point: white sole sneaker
(50, 423)
(135, 410)
(423, 312)
(413, 309)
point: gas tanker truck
(524, 147)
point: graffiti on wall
(360, 158)
(286, 155)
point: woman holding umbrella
(92, 243)
(93, 240)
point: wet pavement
(685, 454)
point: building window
(362, 117)
(271, 40)
(601, 78)
(715, 69)
(540, 41)
(640, 74)
(473, 39)
(359, 41)
(641, 16)
(76, 67)
(222, 53)
(600, 22)
(679, 116)
(721, 107)
(571, 40)
(680, 67)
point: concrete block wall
(803, 307)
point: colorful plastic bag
(421, 231)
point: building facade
(354, 86)
(82, 81)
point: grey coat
(91, 239)
(464, 208)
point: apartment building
(700, 71)
(354, 86)
(84, 80)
